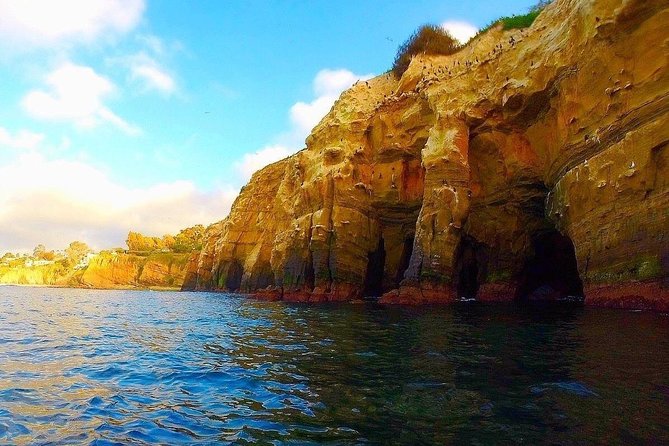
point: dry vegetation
(434, 40)
(428, 39)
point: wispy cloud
(75, 94)
(154, 78)
(23, 139)
(151, 75)
(27, 24)
(147, 67)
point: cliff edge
(532, 164)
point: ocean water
(132, 367)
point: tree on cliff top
(428, 39)
(139, 242)
(187, 240)
(76, 251)
(39, 250)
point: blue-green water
(128, 367)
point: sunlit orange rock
(535, 170)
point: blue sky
(150, 115)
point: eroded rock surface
(533, 164)
(156, 270)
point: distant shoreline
(124, 288)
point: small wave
(573, 387)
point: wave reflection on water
(131, 367)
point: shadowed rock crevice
(233, 278)
(376, 260)
(405, 258)
(309, 275)
(470, 268)
(551, 273)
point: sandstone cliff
(105, 270)
(52, 274)
(532, 164)
(157, 270)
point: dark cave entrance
(551, 274)
(376, 262)
(469, 268)
(405, 258)
(233, 280)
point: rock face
(533, 164)
(106, 270)
(36, 275)
(158, 270)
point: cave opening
(376, 261)
(551, 274)
(469, 268)
(405, 258)
(233, 280)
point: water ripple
(124, 367)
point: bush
(517, 21)
(139, 242)
(76, 251)
(187, 240)
(428, 39)
(526, 20)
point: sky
(149, 115)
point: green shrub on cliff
(76, 251)
(517, 21)
(187, 240)
(139, 242)
(428, 39)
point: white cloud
(327, 86)
(57, 201)
(251, 162)
(49, 23)
(146, 67)
(75, 93)
(154, 43)
(155, 78)
(463, 31)
(23, 139)
(151, 74)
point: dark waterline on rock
(129, 367)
